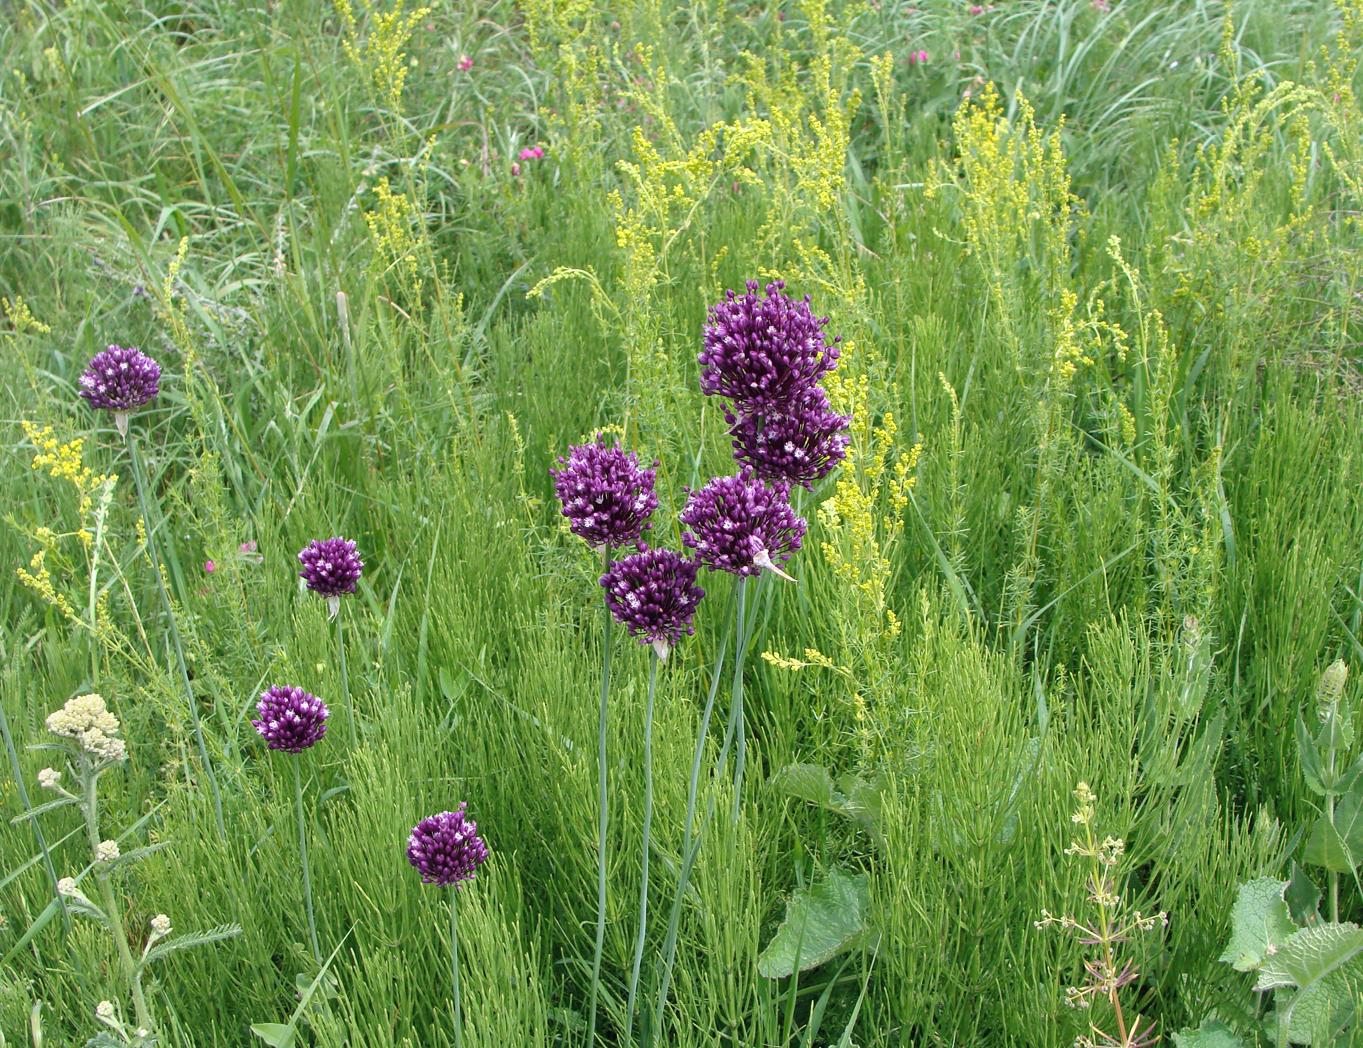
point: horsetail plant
(446, 850)
(91, 745)
(607, 498)
(291, 720)
(121, 379)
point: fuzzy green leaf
(1339, 847)
(277, 1035)
(1259, 920)
(1302, 897)
(1209, 1035)
(820, 922)
(1310, 955)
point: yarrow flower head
(654, 595)
(290, 719)
(760, 352)
(49, 778)
(607, 495)
(798, 442)
(120, 379)
(87, 721)
(446, 848)
(742, 525)
(160, 926)
(331, 567)
(106, 851)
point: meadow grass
(1096, 267)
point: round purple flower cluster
(290, 719)
(606, 495)
(798, 442)
(742, 525)
(331, 567)
(120, 379)
(654, 595)
(760, 352)
(446, 848)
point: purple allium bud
(446, 848)
(290, 719)
(606, 495)
(760, 352)
(741, 525)
(798, 442)
(331, 567)
(654, 595)
(120, 380)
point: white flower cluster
(49, 778)
(160, 926)
(106, 851)
(87, 720)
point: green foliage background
(1116, 300)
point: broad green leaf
(820, 922)
(808, 782)
(1312, 770)
(1209, 1035)
(1258, 920)
(1339, 847)
(1318, 1014)
(1310, 955)
(277, 1035)
(1302, 897)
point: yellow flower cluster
(64, 461)
(390, 224)
(380, 54)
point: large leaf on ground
(1209, 1035)
(1310, 955)
(821, 921)
(1258, 920)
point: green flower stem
(691, 835)
(737, 730)
(454, 965)
(345, 680)
(603, 814)
(643, 861)
(90, 804)
(150, 530)
(303, 854)
(18, 771)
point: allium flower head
(446, 848)
(331, 567)
(761, 351)
(742, 525)
(87, 721)
(654, 595)
(290, 719)
(606, 495)
(798, 442)
(120, 379)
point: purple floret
(799, 442)
(446, 848)
(290, 719)
(120, 379)
(331, 567)
(761, 352)
(606, 495)
(654, 595)
(742, 525)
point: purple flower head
(446, 848)
(742, 525)
(120, 380)
(606, 495)
(760, 352)
(799, 442)
(290, 719)
(331, 567)
(653, 594)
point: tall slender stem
(149, 527)
(737, 728)
(603, 814)
(454, 965)
(18, 771)
(643, 861)
(345, 679)
(112, 910)
(690, 841)
(303, 854)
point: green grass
(1071, 545)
